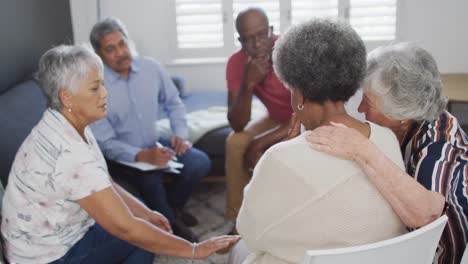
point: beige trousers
(237, 176)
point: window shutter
(271, 7)
(374, 19)
(303, 10)
(199, 24)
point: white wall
(438, 26)
(144, 20)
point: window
(303, 10)
(373, 20)
(199, 24)
(205, 28)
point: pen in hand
(159, 145)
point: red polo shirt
(270, 91)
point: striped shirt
(436, 154)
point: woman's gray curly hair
(324, 59)
(61, 68)
(406, 80)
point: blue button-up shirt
(134, 104)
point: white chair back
(416, 247)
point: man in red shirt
(249, 72)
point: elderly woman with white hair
(60, 205)
(294, 202)
(403, 91)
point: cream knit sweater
(300, 199)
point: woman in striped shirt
(403, 91)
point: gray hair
(407, 82)
(61, 68)
(324, 59)
(104, 27)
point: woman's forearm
(153, 239)
(109, 210)
(138, 208)
(413, 203)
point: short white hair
(61, 68)
(406, 80)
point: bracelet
(194, 246)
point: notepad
(172, 166)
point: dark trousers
(98, 246)
(164, 197)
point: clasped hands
(256, 148)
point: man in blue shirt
(139, 89)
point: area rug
(207, 204)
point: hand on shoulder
(338, 140)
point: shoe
(186, 218)
(181, 230)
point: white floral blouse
(54, 167)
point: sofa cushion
(214, 142)
(21, 108)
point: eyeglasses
(261, 36)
